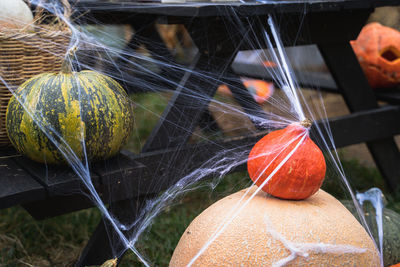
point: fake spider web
(153, 75)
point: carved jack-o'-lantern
(378, 51)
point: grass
(58, 241)
(52, 242)
(148, 108)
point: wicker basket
(24, 55)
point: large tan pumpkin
(320, 229)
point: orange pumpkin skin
(378, 51)
(260, 89)
(300, 176)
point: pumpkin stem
(306, 123)
(66, 66)
(110, 263)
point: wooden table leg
(175, 126)
(351, 81)
(104, 243)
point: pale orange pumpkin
(266, 232)
(303, 172)
(378, 51)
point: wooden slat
(17, 186)
(152, 172)
(194, 93)
(56, 179)
(101, 9)
(360, 127)
(57, 205)
(66, 191)
(320, 80)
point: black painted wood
(182, 113)
(123, 9)
(67, 193)
(144, 77)
(243, 97)
(193, 95)
(104, 243)
(100, 240)
(385, 121)
(57, 205)
(55, 179)
(141, 172)
(307, 79)
(315, 27)
(359, 127)
(346, 130)
(154, 171)
(179, 113)
(207, 123)
(118, 175)
(391, 96)
(181, 116)
(354, 87)
(16, 185)
(348, 75)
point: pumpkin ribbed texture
(78, 108)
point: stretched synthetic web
(138, 67)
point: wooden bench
(46, 191)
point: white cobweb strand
(334, 159)
(302, 249)
(289, 87)
(374, 196)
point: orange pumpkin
(269, 64)
(260, 90)
(378, 51)
(303, 172)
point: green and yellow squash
(86, 113)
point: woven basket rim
(52, 31)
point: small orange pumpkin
(300, 176)
(259, 89)
(378, 51)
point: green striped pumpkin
(391, 230)
(78, 107)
